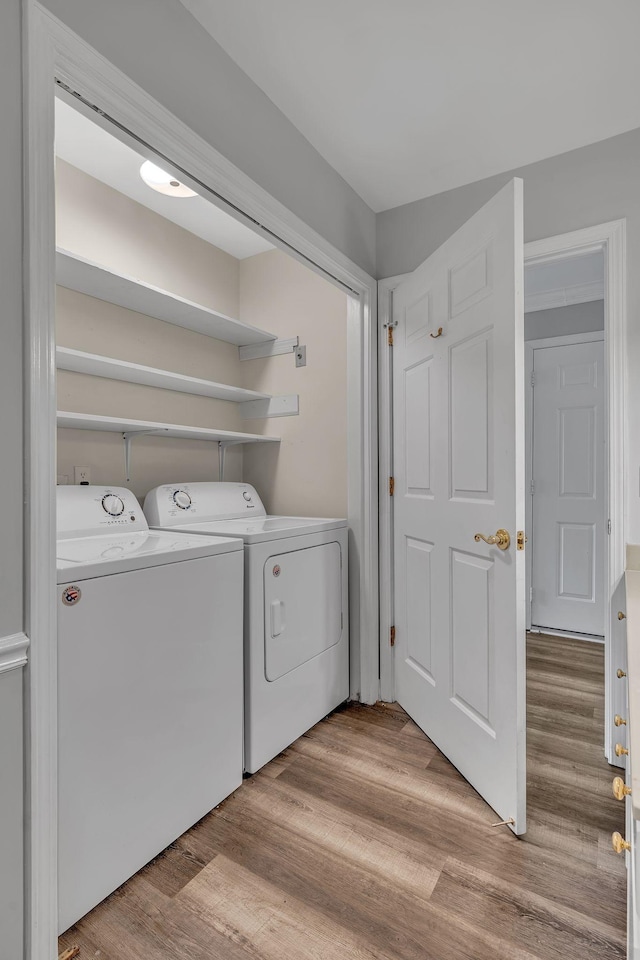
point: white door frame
(530, 347)
(610, 238)
(53, 52)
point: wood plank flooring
(362, 841)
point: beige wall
(98, 223)
(308, 474)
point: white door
(568, 479)
(459, 467)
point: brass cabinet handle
(620, 673)
(618, 843)
(620, 789)
(436, 335)
(621, 751)
(502, 539)
(619, 722)
(621, 615)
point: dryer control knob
(113, 505)
(182, 499)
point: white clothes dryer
(150, 688)
(296, 606)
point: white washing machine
(296, 606)
(150, 688)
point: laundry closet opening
(202, 486)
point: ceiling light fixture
(164, 182)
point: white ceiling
(412, 97)
(85, 145)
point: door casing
(610, 239)
(53, 53)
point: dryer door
(302, 606)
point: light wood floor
(361, 841)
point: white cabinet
(629, 738)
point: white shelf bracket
(270, 348)
(128, 437)
(221, 449)
(288, 406)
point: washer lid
(264, 528)
(100, 556)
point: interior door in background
(568, 490)
(459, 467)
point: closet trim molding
(13, 651)
(52, 52)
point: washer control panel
(84, 511)
(200, 502)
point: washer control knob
(113, 505)
(246, 495)
(182, 499)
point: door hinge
(392, 486)
(532, 490)
(392, 637)
(609, 527)
(533, 378)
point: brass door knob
(620, 673)
(621, 615)
(618, 843)
(501, 539)
(620, 789)
(619, 722)
(621, 751)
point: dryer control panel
(180, 503)
(87, 511)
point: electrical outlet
(82, 475)
(301, 356)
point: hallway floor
(362, 841)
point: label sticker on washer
(71, 595)
(276, 570)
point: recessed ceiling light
(164, 182)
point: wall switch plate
(301, 356)
(82, 475)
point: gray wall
(165, 50)
(581, 188)
(564, 321)
(11, 858)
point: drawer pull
(620, 789)
(621, 751)
(619, 722)
(620, 673)
(621, 615)
(619, 843)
